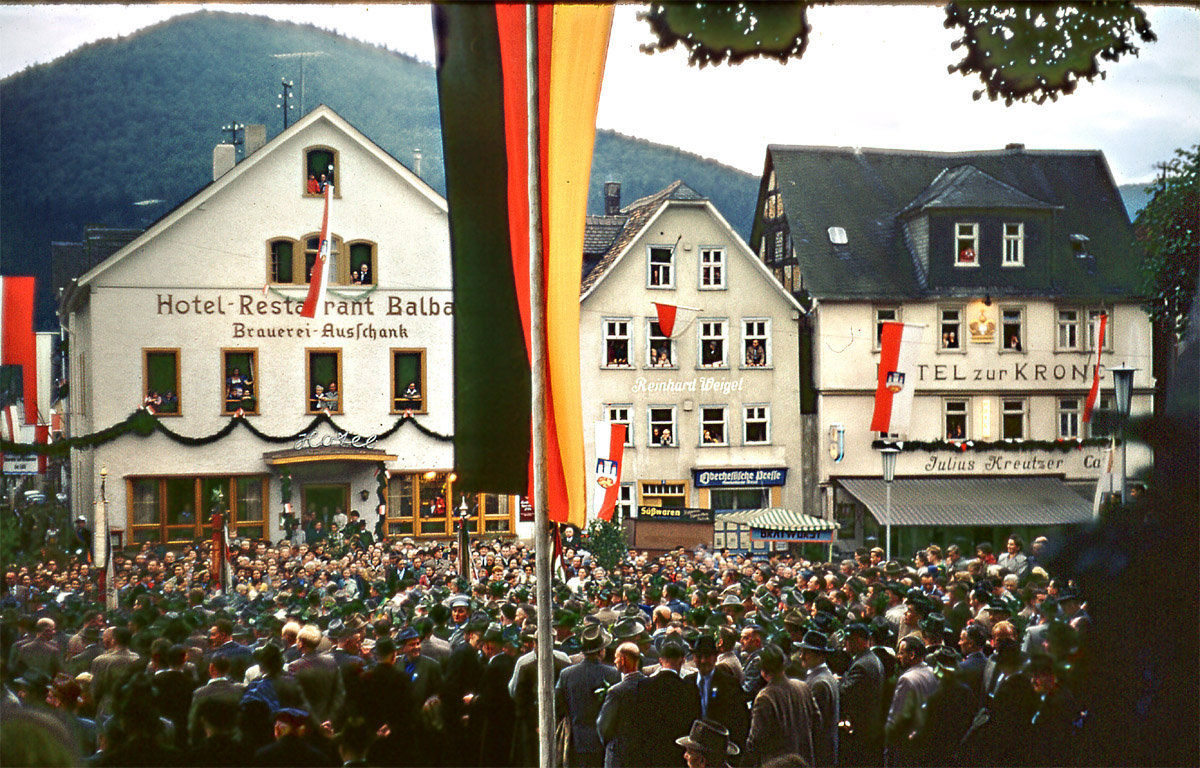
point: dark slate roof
(968, 187)
(600, 232)
(866, 190)
(972, 501)
(635, 216)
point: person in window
(364, 274)
(314, 186)
(318, 398)
(170, 402)
(322, 183)
(1014, 343)
(708, 437)
(233, 397)
(411, 392)
(354, 278)
(331, 396)
(152, 399)
(664, 358)
(665, 438)
(240, 384)
(756, 354)
(955, 432)
(712, 355)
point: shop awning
(776, 519)
(326, 453)
(965, 501)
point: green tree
(1169, 227)
(607, 543)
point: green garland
(958, 446)
(329, 290)
(143, 423)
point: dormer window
(966, 245)
(320, 167)
(1014, 245)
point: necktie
(705, 682)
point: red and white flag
(674, 319)
(315, 301)
(610, 447)
(894, 392)
(1095, 390)
(18, 344)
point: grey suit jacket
(781, 722)
(321, 680)
(109, 672)
(217, 688)
(825, 735)
(618, 723)
(861, 698)
(575, 695)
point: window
(955, 414)
(238, 386)
(324, 376)
(712, 268)
(756, 338)
(1012, 333)
(616, 344)
(756, 424)
(712, 344)
(966, 245)
(282, 265)
(320, 165)
(360, 268)
(951, 326)
(713, 425)
(1070, 410)
(884, 315)
(660, 350)
(408, 381)
(662, 426)
(312, 247)
(1012, 424)
(1102, 419)
(250, 508)
(178, 509)
(160, 381)
(671, 495)
(418, 504)
(1014, 245)
(401, 509)
(624, 509)
(1093, 328)
(433, 503)
(621, 414)
(496, 512)
(1067, 337)
(661, 270)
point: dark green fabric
(406, 367)
(491, 368)
(283, 262)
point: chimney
(224, 158)
(612, 198)
(417, 160)
(254, 137)
(1015, 147)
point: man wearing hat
(425, 676)
(667, 707)
(783, 716)
(386, 699)
(860, 698)
(460, 612)
(721, 696)
(577, 701)
(494, 707)
(291, 747)
(464, 673)
(813, 650)
(707, 745)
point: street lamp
(888, 453)
(464, 539)
(1123, 394)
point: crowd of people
(380, 653)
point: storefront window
(164, 509)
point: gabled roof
(600, 232)
(866, 191)
(321, 113)
(968, 187)
(640, 214)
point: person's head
(706, 745)
(291, 722)
(704, 654)
(910, 652)
(220, 632)
(752, 638)
(45, 628)
(972, 639)
(309, 637)
(1003, 630)
(672, 653)
(628, 658)
(1015, 544)
(219, 666)
(771, 659)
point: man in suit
(814, 647)
(111, 669)
(721, 696)
(618, 724)
(291, 748)
(860, 697)
(425, 678)
(41, 653)
(916, 684)
(523, 689)
(783, 716)
(752, 642)
(463, 677)
(971, 642)
(218, 746)
(173, 689)
(319, 676)
(493, 708)
(432, 646)
(220, 638)
(219, 686)
(82, 661)
(386, 699)
(667, 707)
(576, 699)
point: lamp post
(464, 539)
(1123, 394)
(888, 453)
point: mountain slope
(120, 122)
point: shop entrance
(322, 501)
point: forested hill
(93, 136)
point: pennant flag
(1108, 483)
(610, 447)
(18, 345)
(894, 392)
(1095, 390)
(319, 280)
(674, 319)
(482, 70)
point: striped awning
(972, 501)
(776, 519)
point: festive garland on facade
(339, 293)
(144, 423)
(931, 446)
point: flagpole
(537, 338)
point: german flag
(482, 71)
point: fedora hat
(816, 641)
(709, 737)
(594, 638)
(704, 643)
